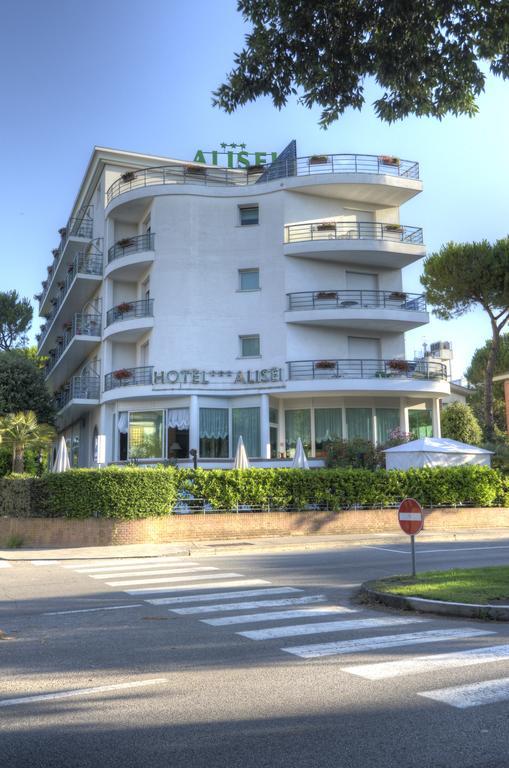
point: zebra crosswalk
(226, 600)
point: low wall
(62, 532)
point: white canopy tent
(435, 452)
(61, 463)
(241, 460)
(299, 460)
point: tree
(15, 320)
(459, 423)
(476, 374)
(424, 55)
(20, 431)
(462, 276)
(22, 387)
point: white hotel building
(188, 304)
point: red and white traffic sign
(410, 516)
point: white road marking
(431, 551)
(5, 564)
(329, 626)
(155, 572)
(241, 583)
(173, 579)
(222, 607)
(223, 595)
(113, 565)
(300, 613)
(471, 695)
(386, 669)
(386, 549)
(90, 610)
(81, 692)
(386, 641)
(45, 562)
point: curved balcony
(365, 369)
(76, 396)
(129, 377)
(83, 277)
(73, 346)
(129, 320)
(370, 310)
(400, 178)
(358, 242)
(128, 258)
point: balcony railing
(81, 325)
(352, 230)
(365, 369)
(183, 173)
(130, 245)
(128, 377)
(130, 310)
(78, 388)
(361, 299)
(83, 264)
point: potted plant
(393, 228)
(50, 270)
(122, 374)
(256, 168)
(325, 365)
(195, 170)
(327, 295)
(389, 160)
(128, 176)
(67, 326)
(70, 268)
(400, 366)
(37, 296)
(326, 226)
(62, 231)
(55, 252)
(318, 159)
(125, 242)
(125, 306)
(397, 296)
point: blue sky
(138, 75)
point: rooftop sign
(234, 156)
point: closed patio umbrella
(62, 457)
(299, 460)
(241, 460)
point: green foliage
(19, 431)
(425, 56)
(476, 374)
(14, 542)
(32, 466)
(355, 453)
(459, 423)
(136, 493)
(22, 387)
(15, 320)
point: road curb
(424, 605)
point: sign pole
(412, 539)
(411, 521)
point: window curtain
(328, 425)
(359, 423)
(298, 424)
(177, 418)
(214, 423)
(123, 422)
(246, 422)
(387, 419)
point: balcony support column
(404, 424)
(194, 423)
(435, 417)
(264, 426)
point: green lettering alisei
(199, 157)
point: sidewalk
(257, 545)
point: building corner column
(194, 423)
(264, 427)
(435, 417)
(404, 424)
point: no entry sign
(410, 516)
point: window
(328, 428)
(214, 433)
(249, 346)
(420, 423)
(359, 423)
(246, 422)
(249, 279)
(177, 423)
(146, 435)
(297, 424)
(248, 215)
(387, 419)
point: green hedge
(132, 493)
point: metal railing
(129, 245)
(182, 173)
(81, 325)
(365, 369)
(360, 299)
(83, 264)
(353, 230)
(128, 377)
(78, 388)
(129, 310)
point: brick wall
(60, 532)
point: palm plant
(20, 431)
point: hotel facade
(189, 303)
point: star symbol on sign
(233, 146)
(223, 145)
(242, 146)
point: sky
(138, 75)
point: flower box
(326, 295)
(125, 306)
(67, 326)
(397, 296)
(128, 176)
(325, 365)
(318, 159)
(393, 228)
(70, 268)
(256, 168)
(122, 374)
(388, 160)
(62, 231)
(398, 365)
(326, 226)
(125, 242)
(55, 252)
(195, 170)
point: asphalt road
(175, 684)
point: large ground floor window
(387, 420)
(246, 422)
(214, 433)
(297, 424)
(328, 428)
(359, 423)
(420, 423)
(145, 436)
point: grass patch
(14, 542)
(459, 585)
